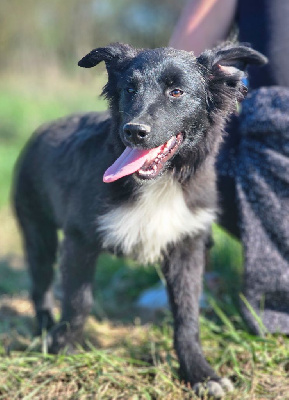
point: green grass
(137, 362)
(125, 355)
(27, 104)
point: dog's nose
(136, 132)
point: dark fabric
(257, 170)
(226, 181)
(265, 25)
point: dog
(138, 180)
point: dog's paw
(213, 389)
(62, 346)
(45, 321)
(60, 339)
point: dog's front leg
(77, 268)
(183, 270)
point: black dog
(139, 181)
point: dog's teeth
(173, 142)
(146, 172)
(151, 167)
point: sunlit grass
(135, 361)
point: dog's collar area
(153, 167)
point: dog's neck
(158, 216)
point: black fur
(59, 179)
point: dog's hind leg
(77, 266)
(183, 270)
(40, 243)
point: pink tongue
(129, 162)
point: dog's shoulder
(158, 216)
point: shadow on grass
(118, 283)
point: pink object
(129, 162)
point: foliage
(40, 33)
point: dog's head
(169, 106)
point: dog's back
(58, 157)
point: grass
(125, 355)
(136, 361)
(27, 103)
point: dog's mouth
(147, 164)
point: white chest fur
(158, 217)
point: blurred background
(40, 44)
(37, 34)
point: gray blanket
(253, 173)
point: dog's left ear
(114, 56)
(224, 69)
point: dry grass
(9, 235)
(133, 361)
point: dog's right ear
(113, 55)
(224, 71)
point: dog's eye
(176, 93)
(130, 90)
